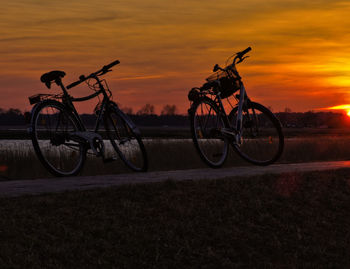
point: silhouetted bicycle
(252, 129)
(60, 139)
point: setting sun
(345, 108)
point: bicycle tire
(211, 146)
(125, 139)
(262, 137)
(50, 125)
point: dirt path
(39, 186)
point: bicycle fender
(33, 113)
(37, 106)
(194, 104)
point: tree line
(148, 109)
(169, 116)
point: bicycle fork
(242, 104)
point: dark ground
(292, 220)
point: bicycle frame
(68, 100)
(249, 127)
(242, 100)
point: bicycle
(60, 139)
(252, 129)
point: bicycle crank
(94, 141)
(232, 135)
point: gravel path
(49, 185)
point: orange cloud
(300, 57)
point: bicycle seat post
(59, 83)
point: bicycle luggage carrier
(42, 96)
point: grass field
(272, 221)
(17, 159)
(184, 132)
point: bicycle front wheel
(51, 125)
(206, 125)
(125, 140)
(262, 140)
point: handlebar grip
(106, 67)
(74, 84)
(241, 54)
(246, 50)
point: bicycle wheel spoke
(50, 139)
(127, 144)
(206, 124)
(262, 139)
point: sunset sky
(300, 55)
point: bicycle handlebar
(241, 53)
(239, 56)
(102, 71)
(108, 66)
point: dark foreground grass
(279, 221)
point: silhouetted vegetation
(169, 110)
(169, 117)
(13, 116)
(147, 109)
(313, 119)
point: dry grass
(173, 154)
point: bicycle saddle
(47, 78)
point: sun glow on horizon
(339, 107)
(345, 108)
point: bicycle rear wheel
(125, 140)
(206, 124)
(51, 125)
(262, 139)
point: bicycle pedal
(111, 159)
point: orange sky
(300, 57)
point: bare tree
(287, 110)
(169, 110)
(147, 109)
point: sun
(345, 108)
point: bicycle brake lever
(241, 59)
(104, 71)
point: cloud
(78, 19)
(166, 47)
